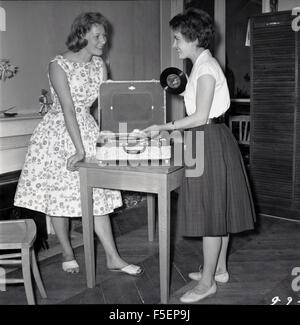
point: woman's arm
(204, 98)
(59, 82)
(96, 107)
(104, 71)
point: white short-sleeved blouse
(207, 64)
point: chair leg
(37, 275)
(27, 275)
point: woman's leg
(222, 261)
(211, 251)
(104, 232)
(206, 285)
(61, 228)
(221, 274)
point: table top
(94, 163)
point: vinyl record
(173, 80)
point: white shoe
(219, 277)
(70, 266)
(130, 269)
(193, 295)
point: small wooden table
(160, 180)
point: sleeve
(61, 62)
(206, 69)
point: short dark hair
(194, 24)
(81, 25)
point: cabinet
(15, 133)
(275, 115)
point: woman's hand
(78, 156)
(152, 131)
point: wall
(237, 54)
(288, 4)
(37, 30)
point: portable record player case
(125, 107)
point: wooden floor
(260, 265)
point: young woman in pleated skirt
(217, 202)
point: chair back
(20, 235)
(14, 234)
(240, 127)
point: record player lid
(128, 105)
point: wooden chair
(241, 124)
(20, 235)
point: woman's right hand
(78, 156)
(152, 131)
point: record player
(125, 108)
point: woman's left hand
(73, 160)
(152, 131)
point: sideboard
(15, 133)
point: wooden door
(296, 201)
(273, 113)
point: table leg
(151, 215)
(88, 229)
(164, 242)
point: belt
(216, 120)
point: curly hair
(194, 24)
(81, 25)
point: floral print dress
(45, 184)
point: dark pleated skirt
(219, 201)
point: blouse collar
(202, 56)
